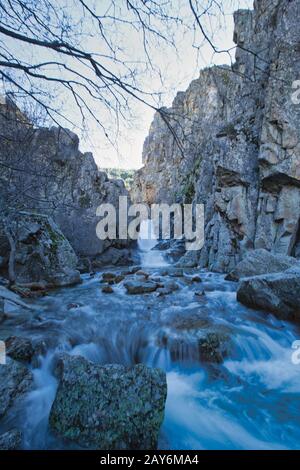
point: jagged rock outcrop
(42, 254)
(43, 170)
(240, 135)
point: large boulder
(108, 407)
(261, 261)
(11, 440)
(43, 254)
(278, 293)
(15, 381)
(19, 348)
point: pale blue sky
(177, 69)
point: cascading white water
(147, 240)
(250, 401)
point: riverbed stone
(108, 407)
(19, 348)
(2, 313)
(140, 287)
(278, 293)
(107, 289)
(168, 287)
(261, 261)
(192, 337)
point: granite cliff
(43, 172)
(239, 130)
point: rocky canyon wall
(240, 142)
(43, 171)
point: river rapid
(248, 401)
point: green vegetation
(126, 175)
(188, 189)
(84, 200)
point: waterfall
(146, 243)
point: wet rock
(108, 276)
(140, 287)
(72, 306)
(130, 271)
(11, 440)
(157, 279)
(140, 272)
(176, 273)
(213, 347)
(188, 260)
(261, 261)
(278, 293)
(119, 407)
(112, 278)
(200, 292)
(15, 381)
(19, 348)
(168, 287)
(107, 289)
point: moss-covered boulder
(108, 407)
(15, 382)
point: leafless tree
(72, 52)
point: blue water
(250, 401)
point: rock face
(43, 254)
(240, 135)
(44, 171)
(261, 261)
(11, 440)
(278, 293)
(15, 381)
(18, 348)
(108, 407)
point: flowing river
(250, 401)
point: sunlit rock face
(43, 170)
(240, 134)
